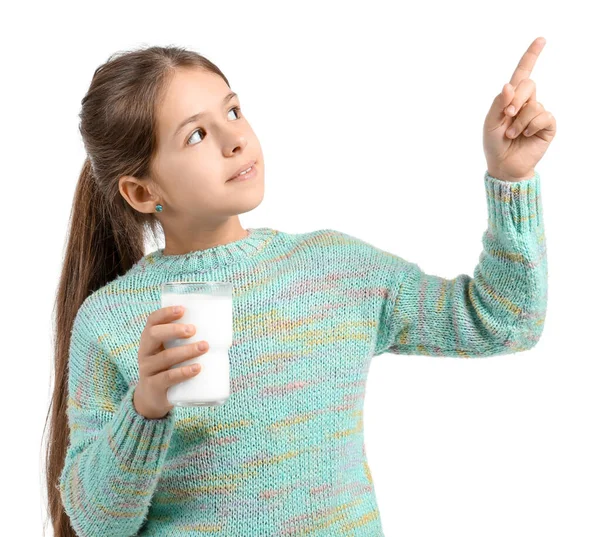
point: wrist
(502, 176)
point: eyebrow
(197, 116)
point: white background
(370, 118)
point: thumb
(496, 114)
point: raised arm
(500, 310)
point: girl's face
(195, 159)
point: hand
(150, 394)
(514, 157)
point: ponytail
(96, 253)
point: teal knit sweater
(285, 454)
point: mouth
(244, 168)
(248, 171)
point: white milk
(212, 316)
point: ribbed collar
(210, 258)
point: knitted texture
(285, 454)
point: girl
(285, 454)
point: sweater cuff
(514, 206)
(137, 441)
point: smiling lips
(244, 177)
(242, 169)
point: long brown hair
(106, 236)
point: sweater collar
(211, 258)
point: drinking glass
(208, 306)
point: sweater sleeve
(500, 310)
(115, 455)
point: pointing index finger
(527, 61)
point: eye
(237, 109)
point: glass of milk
(208, 306)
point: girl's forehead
(190, 96)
